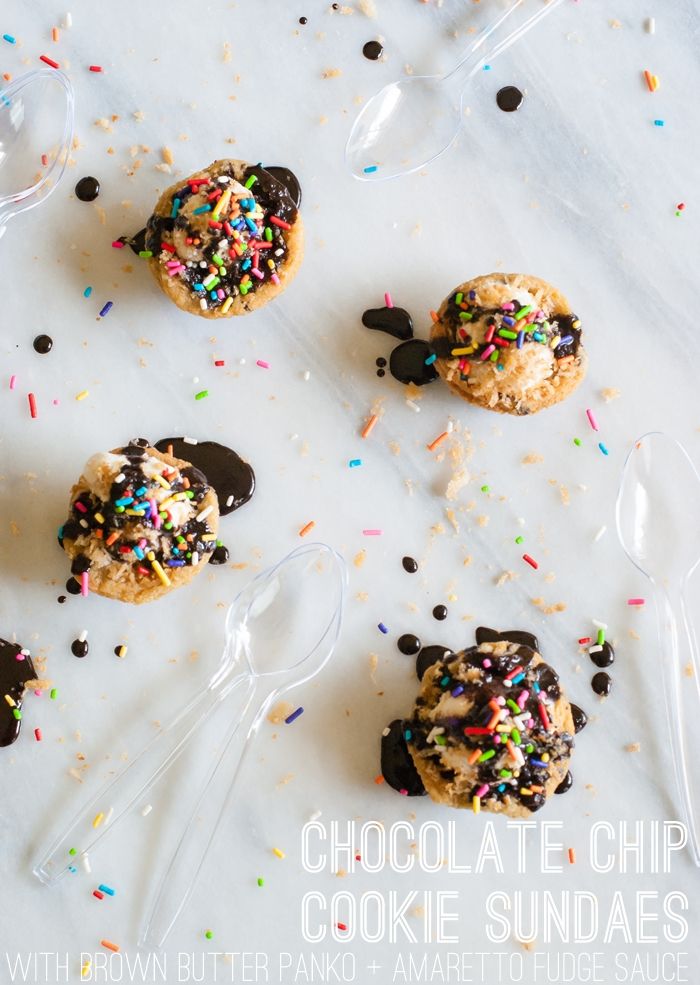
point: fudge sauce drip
(602, 654)
(14, 674)
(470, 326)
(485, 635)
(393, 321)
(221, 231)
(125, 526)
(429, 656)
(398, 768)
(407, 363)
(232, 479)
(289, 180)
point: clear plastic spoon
(412, 121)
(657, 525)
(280, 632)
(36, 125)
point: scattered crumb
(139, 115)
(504, 577)
(287, 778)
(688, 670)
(360, 558)
(547, 610)
(368, 8)
(615, 24)
(532, 458)
(633, 747)
(167, 156)
(331, 73)
(610, 393)
(483, 520)
(634, 634)
(279, 712)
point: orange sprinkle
(7, 77)
(54, 34)
(185, 482)
(572, 856)
(651, 80)
(438, 441)
(169, 450)
(369, 426)
(110, 946)
(494, 720)
(112, 537)
(511, 750)
(379, 779)
(99, 533)
(473, 756)
(434, 315)
(309, 526)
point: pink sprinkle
(220, 294)
(55, 401)
(19, 656)
(257, 273)
(44, 159)
(508, 306)
(372, 533)
(118, 245)
(157, 521)
(404, 793)
(483, 790)
(539, 316)
(262, 364)
(524, 695)
(635, 601)
(38, 693)
(531, 723)
(80, 506)
(500, 700)
(497, 740)
(387, 300)
(32, 405)
(486, 663)
(591, 419)
(275, 279)
(487, 352)
(142, 543)
(13, 381)
(172, 263)
(84, 587)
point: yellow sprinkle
(222, 205)
(99, 518)
(545, 757)
(98, 819)
(576, 324)
(526, 792)
(135, 512)
(271, 264)
(122, 651)
(166, 503)
(463, 351)
(10, 700)
(85, 969)
(476, 804)
(278, 852)
(164, 482)
(206, 537)
(158, 569)
(227, 304)
(555, 342)
(82, 395)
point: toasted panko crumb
(331, 73)
(610, 393)
(368, 8)
(547, 610)
(167, 155)
(633, 747)
(359, 558)
(280, 711)
(532, 458)
(504, 577)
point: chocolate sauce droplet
(381, 372)
(602, 683)
(61, 599)
(393, 321)
(137, 242)
(509, 98)
(87, 189)
(373, 50)
(408, 644)
(604, 657)
(580, 718)
(409, 564)
(219, 555)
(429, 656)
(232, 479)
(565, 784)
(486, 635)
(72, 587)
(398, 768)
(407, 363)
(303, 20)
(14, 674)
(289, 180)
(79, 648)
(43, 344)
(381, 362)
(440, 612)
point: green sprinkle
(261, 881)
(459, 297)
(189, 494)
(466, 315)
(486, 489)
(208, 934)
(513, 707)
(515, 736)
(440, 740)
(268, 234)
(168, 525)
(506, 774)
(17, 713)
(53, 693)
(444, 682)
(201, 395)
(505, 333)
(601, 637)
(519, 539)
(217, 260)
(489, 754)
(72, 851)
(145, 254)
(577, 442)
(523, 311)
(494, 356)
(251, 181)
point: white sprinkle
(241, 362)
(108, 816)
(146, 810)
(315, 816)
(521, 521)
(386, 732)
(86, 863)
(599, 534)
(24, 651)
(223, 179)
(203, 263)
(229, 502)
(413, 405)
(203, 304)
(120, 477)
(650, 25)
(190, 441)
(293, 437)
(600, 625)
(83, 636)
(84, 523)
(278, 253)
(307, 374)
(68, 20)
(195, 379)
(203, 514)
(450, 427)
(596, 649)
(195, 558)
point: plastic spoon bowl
(280, 632)
(36, 124)
(411, 122)
(658, 529)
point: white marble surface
(580, 188)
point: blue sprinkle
(176, 564)
(538, 762)
(518, 679)
(520, 339)
(213, 295)
(567, 340)
(536, 688)
(382, 628)
(176, 206)
(87, 292)
(124, 502)
(431, 359)
(72, 868)
(499, 366)
(9, 39)
(60, 533)
(202, 208)
(371, 169)
(457, 691)
(199, 287)
(507, 320)
(106, 889)
(138, 552)
(487, 68)
(141, 491)
(472, 295)
(246, 264)
(251, 225)
(354, 463)
(658, 123)
(538, 336)
(107, 308)
(408, 735)
(445, 681)
(293, 717)
(501, 787)
(603, 448)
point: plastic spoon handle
(677, 648)
(119, 795)
(477, 56)
(185, 865)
